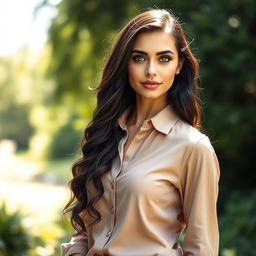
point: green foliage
(15, 240)
(58, 130)
(12, 111)
(55, 171)
(12, 115)
(23, 86)
(18, 240)
(67, 231)
(78, 44)
(238, 224)
(224, 33)
(64, 141)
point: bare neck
(145, 109)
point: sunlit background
(50, 53)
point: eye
(138, 58)
(165, 59)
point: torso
(143, 197)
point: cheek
(168, 73)
(133, 72)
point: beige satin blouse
(166, 182)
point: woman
(147, 172)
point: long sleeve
(199, 185)
(78, 244)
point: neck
(145, 109)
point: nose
(151, 69)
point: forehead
(155, 41)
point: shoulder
(190, 139)
(197, 152)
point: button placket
(112, 208)
(111, 212)
(115, 173)
(113, 185)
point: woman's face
(153, 65)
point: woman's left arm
(78, 245)
(199, 190)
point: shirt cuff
(67, 249)
(78, 244)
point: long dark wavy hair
(114, 94)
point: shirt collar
(123, 118)
(163, 121)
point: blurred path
(40, 201)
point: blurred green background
(45, 104)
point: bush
(67, 231)
(238, 225)
(15, 240)
(65, 141)
(15, 124)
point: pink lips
(150, 84)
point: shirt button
(112, 209)
(108, 234)
(113, 185)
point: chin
(149, 95)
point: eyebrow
(158, 53)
